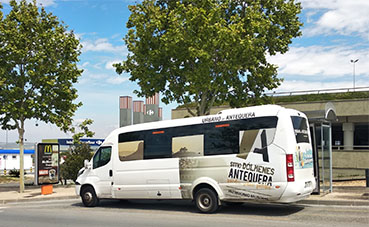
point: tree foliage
(84, 131)
(208, 51)
(38, 67)
(38, 59)
(74, 158)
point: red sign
(43, 172)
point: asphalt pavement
(341, 195)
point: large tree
(38, 57)
(205, 52)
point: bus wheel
(89, 197)
(206, 200)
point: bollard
(367, 177)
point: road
(175, 213)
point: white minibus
(260, 153)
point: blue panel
(91, 142)
(9, 151)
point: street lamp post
(353, 71)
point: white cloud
(85, 64)
(338, 17)
(93, 78)
(117, 79)
(109, 64)
(103, 45)
(322, 61)
(102, 78)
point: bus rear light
(290, 169)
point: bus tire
(206, 200)
(89, 197)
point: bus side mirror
(86, 164)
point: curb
(38, 199)
(334, 202)
(357, 203)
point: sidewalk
(341, 195)
(33, 193)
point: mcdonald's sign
(48, 149)
(47, 163)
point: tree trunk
(21, 154)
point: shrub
(14, 173)
(74, 161)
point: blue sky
(334, 32)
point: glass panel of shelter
(321, 134)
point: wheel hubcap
(205, 202)
(88, 197)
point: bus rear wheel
(206, 200)
(89, 197)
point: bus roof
(225, 115)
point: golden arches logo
(48, 149)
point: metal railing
(348, 148)
(321, 91)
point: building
(141, 112)
(10, 159)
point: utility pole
(353, 71)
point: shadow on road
(273, 210)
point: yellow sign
(48, 149)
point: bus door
(136, 177)
(103, 171)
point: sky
(334, 33)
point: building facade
(10, 159)
(141, 112)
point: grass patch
(8, 179)
(321, 97)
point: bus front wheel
(206, 200)
(89, 197)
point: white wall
(12, 162)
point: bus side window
(102, 157)
(188, 146)
(157, 144)
(221, 139)
(132, 150)
(246, 142)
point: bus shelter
(321, 137)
